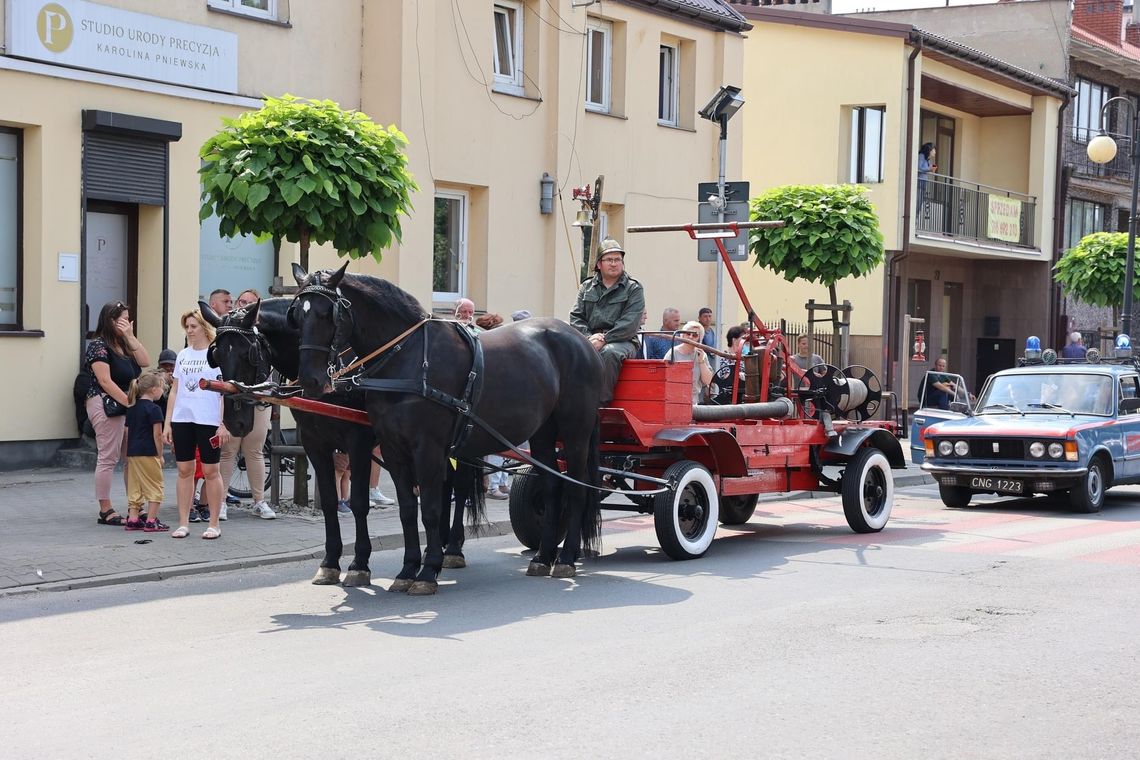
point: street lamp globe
(1101, 149)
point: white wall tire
(868, 491)
(685, 517)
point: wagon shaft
(300, 404)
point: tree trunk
(304, 262)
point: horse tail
(592, 513)
(477, 516)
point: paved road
(1005, 630)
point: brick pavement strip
(49, 518)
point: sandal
(212, 533)
(110, 517)
(181, 532)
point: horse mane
(388, 297)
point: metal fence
(954, 207)
(821, 343)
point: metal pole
(1130, 261)
(718, 323)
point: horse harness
(259, 350)
(343, 322)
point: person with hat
(608, 312)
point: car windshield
(1075, 393)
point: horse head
(242, 355)
(323, 318)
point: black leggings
(188, 436)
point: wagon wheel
(737, 510)
(868, 490)
(685, 517)
(239, 485)
(527, 505)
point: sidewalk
(50, 540)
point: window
(449, 265)
(668, 86)
(1085, 218)
(867, 135)
(1086, 114)
(599, 62)
(11, 214)
(257, 8)
(508, 47)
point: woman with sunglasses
(115, 357)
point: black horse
(542, 382)
(245, 354)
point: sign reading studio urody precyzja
(100, 38)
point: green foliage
(1093, 270)
(305, 170)
(830, 232)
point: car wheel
(955, 497)
(526, 506)
(1089, 495)
(685, 517)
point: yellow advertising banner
(1004, 219)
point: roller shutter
(124, 168)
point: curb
(379, 543)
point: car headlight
(1037, 449)
(945, 448)
(1056, 450)
(961, 448)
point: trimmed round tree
(830, 232)
(1092, 271)
(308, 172)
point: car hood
(1016, 425)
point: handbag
(112, 408)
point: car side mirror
(1129, 405)
(961, 407)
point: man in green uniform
(608, 312)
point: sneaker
(231, 499)
(495, 493)
(224, 515)
(195, 515)
(343, 508)
(505, 489)
(135, 524)
(155, 526)
(264, 511)
(377, 499)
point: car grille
(983, 448)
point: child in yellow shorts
(144, 452)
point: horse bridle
(343, 321)
(259, 349)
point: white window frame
(508, 81)
(860, 142)
(464, 206)
(668, 100)
(1091, 96)
(235, 6)
(606, 29)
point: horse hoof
(563, 571)
(358, 578)
(538, 569)
(400, 585)
(454, 561)
(423, 588)
(326, 576)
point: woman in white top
(684, 352)
(193, 418)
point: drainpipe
(1062, 189)
(890, 307)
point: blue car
(1067, 429)
(934, 407)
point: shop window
(1085, 218)
(11, 214)
(449, 264)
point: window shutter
(124, 168)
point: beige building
(106, 106)
(968, 246)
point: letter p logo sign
(53, 25)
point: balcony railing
(960, 209)
(1119, 169)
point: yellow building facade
(107, 106)
(970, 245)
